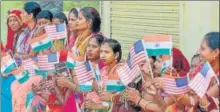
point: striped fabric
(85, 75)
(46, 62)
(175, 85)
(56, 32)
(201, 81)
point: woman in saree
(146, 96)
(180, 68)
(92, 54)
(110, 54)
(21, 88)
(209, 52)
(43, 18)
(29, 14)
(15, 27)
(152, 101)
(72, 33)
(88, 23)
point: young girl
(110, 54)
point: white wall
(198, 18)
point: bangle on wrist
(206, 106)
(108, 108)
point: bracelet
(205, 105)
(206, 101)
(108, 108)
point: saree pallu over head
(180, 62)
(10, 36)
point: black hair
(46, 14)
(153, 57)
(99, 38)
(92, 14)
(74, 11)
(212, 39)
(116, 47)
(62, 17)
(195, 56)
(32, 8)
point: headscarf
(180, 62)
(10, 36)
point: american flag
(84, 72)
(56, 32)
(130, 70)
(201, 81)
(128, 74)
(47, 62)
(30, 66)
(175, 85)
(136, 54)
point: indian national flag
(166, 62)
(86, 86)
(115, 86)
(40, 43)
(7, 65)
(73, 60)
(158, 44)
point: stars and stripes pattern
(136, 53)
(84, 72)
(175, 85)
(201, 81)
(130, 71)
(128, 74)
(56, 32)
(47, 62)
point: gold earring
(89, 25)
